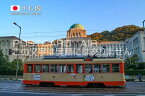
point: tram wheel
(96, 85)
(46, 84)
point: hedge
(134, 72)
(11, 72)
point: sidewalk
(10, 77)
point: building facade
(136, 45)
(27, 50)
(9, 47)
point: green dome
(77, 26)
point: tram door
(88, 70)
(75, 74)
(79, 74)
(84, 73)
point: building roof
(11, 37)
(77, 26)
(111, 42)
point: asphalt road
(15, 88)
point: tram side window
(88, 68)
(70, 68)
(38, 68)
(62, 68)
(97, 68)
(29, 68)
(54, 68)
(45, 68)
(79, 68)
(115, 68)
(105, 68)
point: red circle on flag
(15, 8)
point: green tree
(96, 36)
(118, 34)
(132, 62)
(13, 64)
(3, 61)
(124, 32)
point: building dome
(77, 26)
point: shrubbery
(10, 72)
(9, 68)
(135, 72)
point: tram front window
(115, 68)
(79, 68)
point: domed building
(76, 30)
(78, 43)
(75, 41)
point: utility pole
(143, 26)
(17, 66)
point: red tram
(83, 72)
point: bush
(140, 65)
(135, 72)
(11, 72)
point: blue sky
(58, 15)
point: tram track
(131, 88)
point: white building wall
(136, 44)
(6, 43)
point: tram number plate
(36, 77)
(89, 77)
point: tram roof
(73, 61)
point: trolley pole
(17, 66)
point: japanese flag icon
(15, 8)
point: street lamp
(143, 26)
(17, 67)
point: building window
(79, 68)
(74, 35)
(105, 68)
(88, 68)
(97, 68)
(70, 68)
(37, 68)
(45, 68)
(115, 68)
(29, 68)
